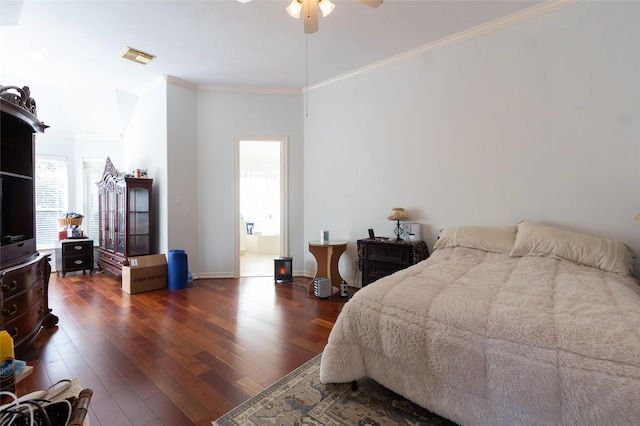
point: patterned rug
(300, 399)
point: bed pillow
(533, 239)
(487, 238)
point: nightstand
(74, 255)
(379, 257)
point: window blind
(92, 170)
(51, 198)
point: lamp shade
(326, 7)
(294, 9)
(398, 213)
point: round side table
(327, 256)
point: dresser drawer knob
(78, 262)
(11, 312)
(10, 287)
(14, 333)
(77, 247)
(40, 291)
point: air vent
(137, 56)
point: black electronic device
(371, 234)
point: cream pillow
(487, 238)
(534, 239)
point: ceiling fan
(309, 9)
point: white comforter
(486, 339)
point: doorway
(261, 205)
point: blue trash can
(178, 269)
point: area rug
(300, 399)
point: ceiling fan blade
(370, 3)
(310, 11)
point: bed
(520, 325)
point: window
(51, 198)
(92, 170)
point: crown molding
(249, 90)
(497, 24)
(169, 79)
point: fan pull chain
(306, 75)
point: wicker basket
(73, 221)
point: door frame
(284, 195)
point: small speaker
(322, 288)
(344, 291)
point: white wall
(222, 116)
(182, 168)
(145, 147)
(186, 139)
(162, 138)
(93, 147)
(538, 121)
(75, 149)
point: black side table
(74, 255)
(380, 257)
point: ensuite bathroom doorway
(261, 197)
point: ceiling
(68, 52)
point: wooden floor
(178, 357)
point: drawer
(25, 325)
(110, 262)
(389, 253)
(381, 269)
(20, 279)
(110, 257)
(78, 262)
(20, 303)
(77, 247)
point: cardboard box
(145, 273)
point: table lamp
(398, 214)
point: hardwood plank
(167, 412)
(133, 407)
(108, 412)
(91, 381)
(171, 357)
(323, 323)
(232, 392)
(182, 397)
(249, 386)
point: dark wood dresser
(378, 258)
(24, 299)
(24, 273)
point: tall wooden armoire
(24, 273)
(125, 218)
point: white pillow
(534, 239)
(487, 238)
